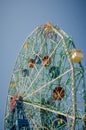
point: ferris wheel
(47, 87)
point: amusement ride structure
(47, 87)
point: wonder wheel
(47, 87)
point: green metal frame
(37, 87)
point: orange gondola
(46, 60)
(58, 93)
(31, 63)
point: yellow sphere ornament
(48, 27)
(76, 55)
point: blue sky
(19, 17)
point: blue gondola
(25, 72)
(54, 72)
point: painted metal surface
(49, 46)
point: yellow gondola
(26, 46)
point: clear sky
(19, 17)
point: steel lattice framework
(37, 79)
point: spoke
(45, 85)
(47, 109)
